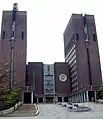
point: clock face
(63, 77)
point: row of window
(73, 64)
(77, 39)
(22, 35)
(49, 82)
(75, 73)
(72, 69)
(74, 79)
(86, 34)
(48, 88)
(71, 55)
(48, 85)
(73, 58)
(75, 89)
(70, 51)
(72, 72)
(75, 84)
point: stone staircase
(25, 110)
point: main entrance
(65, 99)
(49, 99)
(59, 99)
(91, 96)
(27, 97)
(40, 100)
(34, 100)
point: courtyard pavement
(54, 111)
(26, 110)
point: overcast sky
(46, 22)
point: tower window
(3, 34)
(13, 34)
(48, 70)
(22, 35)
(94, 37)
(77, 37)
(89, 68)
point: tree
(101, 91)
(8, 97)
(4, 77)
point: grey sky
(47, 20)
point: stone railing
(10, 110)
(99, 101)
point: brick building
(82, 56)
(13, 45)
(77, 79)
(50, 82)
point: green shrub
(101, 91)
(11, 97)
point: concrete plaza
(54, 111)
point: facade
(47, 80)
(77, 79)
(35, 82)
(13, 45)
(61, 72)
(82, 56)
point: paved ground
(96, 113)
(52, 111)
(58, 112)
(26, 110)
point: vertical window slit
(22, 35)
(77, 37)
(3, 34)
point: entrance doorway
(27, 97)
(91, 96)
(49, 99)
(34, 99)
(59, 99)
(40, 100)
(65, 99)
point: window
(13, 34)
(49, 82)
(89, 68)
(22, 35)
(3, 34)
(70, 51)
(74, 79)
(74, 68)
(85, 30)
(73, 74)
(72, 59)
(77, 37)
(71, 55)
(94, 37)
(86, 36)
(74, 63)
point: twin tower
(77, 79)
(13, 45)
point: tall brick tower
(13, 44)
(82, 55)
